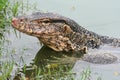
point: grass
(6, 70)
(7, 11)
(60, 72)
(86, 74)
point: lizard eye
(21, 20)
(46, 21)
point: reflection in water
(46, 56)
(48, 61)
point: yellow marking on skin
(43, 23)
(85, 49)
(17, 26)
(22, 27)
(46, 24)
(29, 30)
(54, 48)
(67, 29)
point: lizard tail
(109, 40)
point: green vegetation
(86, 74)
(6, 70)
(7, 10)
(57, 72)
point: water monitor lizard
(60, 33)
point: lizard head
(51, 29)
(40, 23)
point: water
(100, 16)
(105, 71)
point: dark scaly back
(76, 27)
(56, 17)
(104, 39)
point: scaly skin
(60, 33)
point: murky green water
(100, 16)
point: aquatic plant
(86, 74)
(7, 10)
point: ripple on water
(105, 71)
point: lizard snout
(14, 22)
